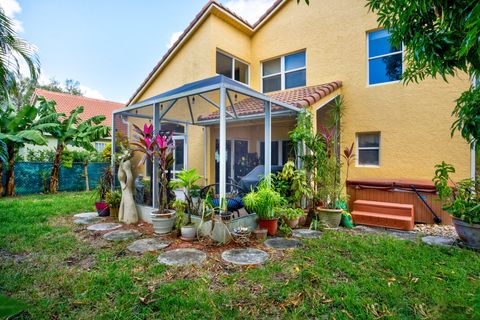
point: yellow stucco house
(306, 56)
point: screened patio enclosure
(221, 127)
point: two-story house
(307, 56)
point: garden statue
(128, 210)
(139, 189)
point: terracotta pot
(329, 218)
(102, 208)
(114, 213)
(260, 234)
(468, 233)
(293, 223)
(271, 225)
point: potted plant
(183, 223)
(462, 201)
(158, 146)
(113, 200)
(263, 202)
(291, 216)
(187, 180)
(104, 185)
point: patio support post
(156, 128)
(112, 155)
(268, 137)
(223, 144)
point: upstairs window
(286, 72)
(368, 149)
(384, 59)
(232, 68)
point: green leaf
(34, 136)
(10, 307)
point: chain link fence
(33, 177)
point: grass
(63, 273)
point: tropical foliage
(187, 180)
(156, 147)
(18, 128)
(264, 200)
(72, 130)
(461, 199)
(14, 50)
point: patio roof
(300, 97)
(201, 98)
(217, 93)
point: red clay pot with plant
(271, 225)
(102, 208)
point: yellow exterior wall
(414, 120)
(195, 61)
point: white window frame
(282, 72)
(379, 148)
(234, 59)
(104, 144)
(401, 51)
(184, 139)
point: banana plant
(72, 130)
(18, 128)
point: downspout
(473, 144)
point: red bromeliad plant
(349, 156)
(156, 146)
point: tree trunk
(56, 168)
(1, 179)
(11, 171)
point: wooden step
(383, 214)
(398, 209)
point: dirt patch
(84, 263)
(16, 258)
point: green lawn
(61, 273)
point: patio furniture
(233, 198)
(251, 179)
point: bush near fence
(31, 176)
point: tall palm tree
(18, 128)
(73, 130)
(12, 51)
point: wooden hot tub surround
(399, 191)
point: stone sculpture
(128, 210)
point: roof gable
(209, 7)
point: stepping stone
(306, 233)
(403, 235)
(182, 257)
(104, 226)
(282, 243)
(438, 241)
(248, 256)
(150, 244)
(86, 215)
(365, 229)
(120, 235)
(88, 220)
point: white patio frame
(226, 87)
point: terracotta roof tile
(300, 97)
(92, 107)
